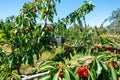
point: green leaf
(25, 60)
(43, 10)
(50, 18)
(46, 63)
(31, 61)
(43, 17)
(113, 73)
(17, 20)
(104, 65)
(67, 75)
(72, 76)
(10, 63)
(25, 23)
(37, 56)
(44, 68)
(97, 67)
(45, 77)
(54, 74)
(91, 75)
(118, 72)
(105, 75)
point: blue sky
(102, 10)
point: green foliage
(26, 39)
(115, 22)
(79, 13)
(25, 36)
(74, 17)
(98, 69)
(6, 29)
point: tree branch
(35, 76)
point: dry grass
(75, 61)
(45, 55)
(6, 47)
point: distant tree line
(114, 27)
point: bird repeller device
(57, 40)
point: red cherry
(84, 69)
(27, 29)
(110, 49)
(33, 14)
(79, 71)
(50, 28)
(115, 63)
(60, 75)
(84, 75)
(112, 64)
(80, 29)
(93, 49)
(46, 12)
(17, 45)
(97, 46)
(16, 27)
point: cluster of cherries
(82, 71)
(109, 48)
(60, 74)
(96, 47)
(113, 63)
(27, 29)
(50, 28)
